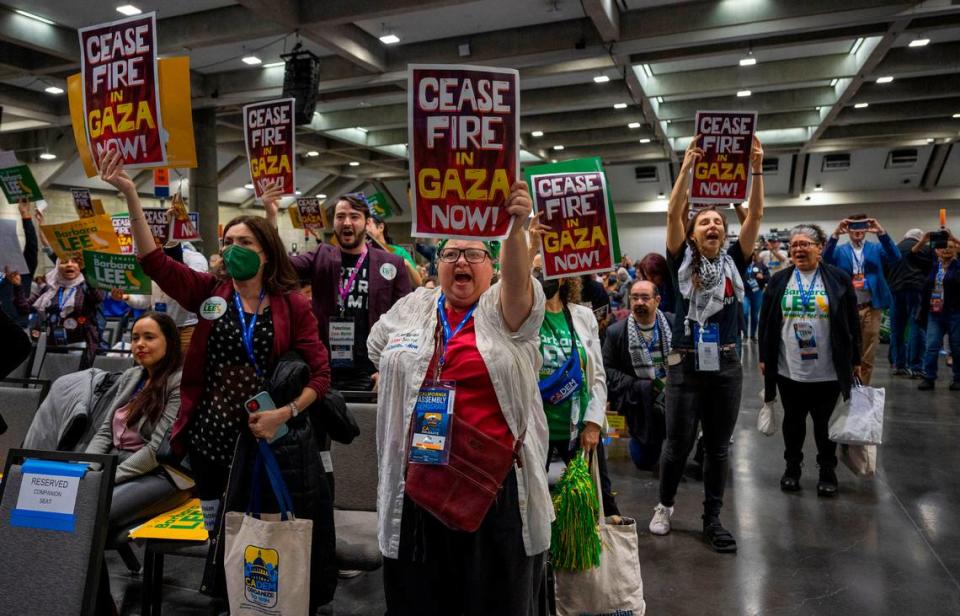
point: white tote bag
(859, 421)
(770, 416)
(267, 562)
(615, 587)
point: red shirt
(476, 400)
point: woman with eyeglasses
(809, 351)
(464, 510)
(704, 375)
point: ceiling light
(321, 196)
(886, 79)
(248, 186)
(389, 39)
(856, 46)
(660, 99)
(646, 70)
(464, 50)
(620, 106)
(835, 81)
(661, 196)
(53, 90)
(252, 60)
(43, 20)
(931, 140)
(645, 140)
(633, 125)
(601, 79)
(743, 93)
(558, 147)
(128, 9)
(748, 61)
(312, 153)
(362, 130)
(956, 116)
(48, 156)
(354, 163)
(920, 42)
(861, 105)
(818, 188)
(274, 64)
(537, 133)
(298, 193)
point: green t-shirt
(554, 347)
(402, 252)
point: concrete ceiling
(665, 59)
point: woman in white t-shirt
(809, 351)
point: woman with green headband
(459, 407)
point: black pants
(818, 400)
(443, 572)
(713, 399)
(566, 453)
(143, 498)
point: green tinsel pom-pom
(575, 544)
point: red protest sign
(311, 214)
(463, 123)
(121, 103)
(269, 134)
(722, 175)
(574, 207)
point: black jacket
(951, 292)
(844, 326)
(911, 270)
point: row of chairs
(48, 363)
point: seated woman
(66, 307)
(147, 401)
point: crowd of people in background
(537, 365)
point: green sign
(18, 183)
(111, 271)
(380, 205)
(580, 165)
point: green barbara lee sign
(111, 271)
(380, 205)
(18, 183)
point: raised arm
(271, 202)
(516, 291)
(112, 172)
(677, 208)
(750, 229)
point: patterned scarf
(706, 299)
(47, 301)
(640, 355)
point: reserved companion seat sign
(48, 495)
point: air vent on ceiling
(771, 166)
(899, 159)
(835, 162)
(646, 174)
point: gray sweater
(143, 460)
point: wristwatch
(294, 409)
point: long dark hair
(279, 276)
(152, 399)
(695, 255)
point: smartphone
(939, 239)
(263, 402)
(858, 225)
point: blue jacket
(876, 256)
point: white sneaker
(660, 524)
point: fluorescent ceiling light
(362, 130)
(886, 79)
(645, 140)
(53, 90)
(354, 163)
(128, 9)
(298, 193)
(956, 116)
(818, 188)
(748, 61)
(248, 186)
(537, 133)
(660, 99)
(601, 79)
(620, 106)
(856, 46)
(835, 81)
(558, 147)
(252, 60)
(42, 20)
(312, 153)
(321, 196)
(48, 156)
(633, 125)
(646, 70)
(930, 140)
(920, 42)
(661, 196)
(743, 93)
(861, 105)
(389, 39)
(274, 64)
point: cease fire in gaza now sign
(121, 102)
(463, 123)
(722, 175)
(269, 135)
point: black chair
(19, 401)
(58, 362)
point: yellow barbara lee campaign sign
(182, 524)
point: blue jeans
(902, 313)
(937, 326)
(751, 310)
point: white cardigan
(585, 324)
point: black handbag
(337, 420)
(329, 414)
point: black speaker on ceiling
(301, 78)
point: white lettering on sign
(48, 493)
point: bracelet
(757, 172)
(294, 409)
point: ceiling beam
(331, 12)
(929, 129)
(771, 121)
(938, 160)
(614, 152)
(918, 88)
(231, 24)
(893, 112)
(50, 39)
(798, 174)
(597, 136)
(795, 99)
(605, 17)
(581, 120)
(235, 163)
(926, 61)
(391, 136)
(351, 43)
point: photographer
(940, 305)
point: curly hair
(570, 290)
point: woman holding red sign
(704, 374)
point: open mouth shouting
(462, 278)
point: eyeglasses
(641, 298)
(802, 245)
(472, 255)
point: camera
(939, 239)
(858, 225)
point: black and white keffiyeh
(706, 299)
(640, 355)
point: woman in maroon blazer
(251, 314)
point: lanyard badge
(708, 347)
(247, 329)
(936, 296)
(346, 287)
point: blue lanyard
(447, 333)
(652, 345)
(246, 329)
(940, 273)
(60, 299)
(858, 263)
(806, 295)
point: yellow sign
(184, 523)
(295, 217)
(70, 239)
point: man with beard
(634, 357)
(353, 284)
